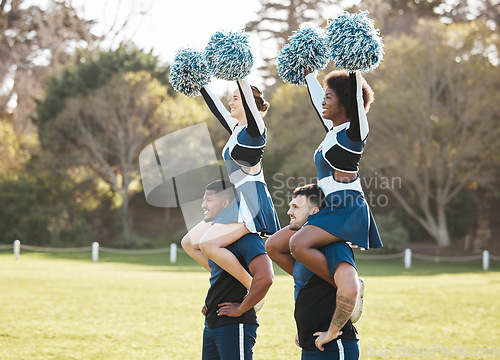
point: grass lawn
(63, 306)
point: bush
(41, 210)
(392, 231)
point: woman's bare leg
(191, 243)
(278, 249)
(213, 244)
(304, 246)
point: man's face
(213, 204)
(300, 209)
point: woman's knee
(186, 242)
(207, 247)
(272, 245)
(277, 244)
(297, 244)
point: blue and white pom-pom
(189, 72)
(354, 42)
(307, 48)
(228, 55)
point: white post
(173, 253)
(17, 249)
(486, 260)
(95, 251)
(407, 258)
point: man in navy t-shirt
(230, 320)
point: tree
(12, 152)
(33, 44)
(278, 19)
(469, 10)
(44, 208)
(435, 122)
(401, 16)
(90, 72)
(105, 131)
(98, 116)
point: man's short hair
(313, 193)
(219, 186)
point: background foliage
(69, 171)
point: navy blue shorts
(334, 350)
(229, 342)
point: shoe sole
(358, 308)
(259, 305)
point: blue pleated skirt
(348, 217)
(254, 207)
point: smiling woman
(253, 210)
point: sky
(169, 25)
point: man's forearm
(261, 269)
(257, 292)
(343, 311)
(347, 291)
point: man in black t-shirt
(322, 311)
(230, 320)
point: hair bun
(264, 107)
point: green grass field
(63, 306)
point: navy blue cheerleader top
(243, 157)
(246, 144)
(343, 145)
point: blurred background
(84, 88)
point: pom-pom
(307, 48)
(354, 42)
(228, 55)
(189, 72)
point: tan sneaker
(358, 308)
(259, 305)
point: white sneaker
(358, 308)
(259, 305)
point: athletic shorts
(229, 342)
(334, 350)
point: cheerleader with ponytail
(228, 57)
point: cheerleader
(341, 108)
(252, 210)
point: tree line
(75, 117)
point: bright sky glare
(169, 25)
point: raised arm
(218, 109)
(317, 95)
(255, 124)
(358, 128)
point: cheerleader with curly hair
(341, 106)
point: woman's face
(331, 105)
(236, 105)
